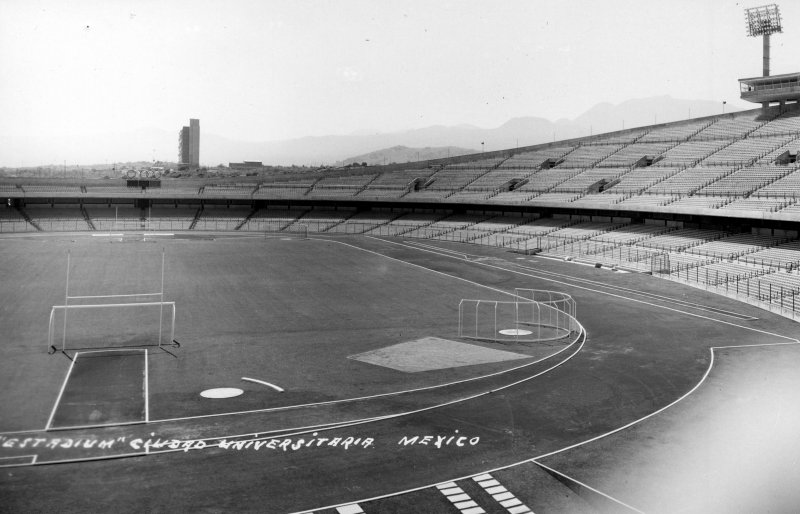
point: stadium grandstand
(724, 187)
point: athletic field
(333, 375)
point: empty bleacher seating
(745, 180)
(681, 239)
(690, 180)
(734, 246)
(57, 218)
(633, 153)
(588, 155)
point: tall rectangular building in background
(189, 143)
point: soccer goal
(111, 321)
(534, 316)
(297, 230)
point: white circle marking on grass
(221, 392)
(515, 332)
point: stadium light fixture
(764, 21)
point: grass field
(288, 312)
(294, 313)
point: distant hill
(152, 144)
(399, 154)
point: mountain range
(152, 144)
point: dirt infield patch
(430, 353)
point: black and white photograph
(402, 256)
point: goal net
(297, 230)
(535, 316)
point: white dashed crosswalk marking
(460, 499)
(505, 497)
(350, 509)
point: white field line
(63, 387)
(146, 389)
(279, 389)
(85, 427)
(361, 398)
(310, 429)
(369, 397)
(794, 341)
(451, 383)
(32, 458)
(300, 406)
(61, 392)
(304, 430)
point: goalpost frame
(66, 308)
(161, 303)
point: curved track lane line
(534, 460)
(344, 424)
(291, 432)
(621, 297)
(476, 258)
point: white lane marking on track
(630, 299)
(433, 249)
(647, 294)
(549, 274)
(353, 508)
(502, 495)
(279, 389)
(534, 459)
(461, 500)
(634, 509)
(305, 430)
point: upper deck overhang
(775, 88)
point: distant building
(246, 165)
(189, 144)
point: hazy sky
(267, 70)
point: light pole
(723, 106)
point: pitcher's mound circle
(515, 332)
(221, 392)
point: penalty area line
(279, 389)
(61, 392)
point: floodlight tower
(764, 21)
